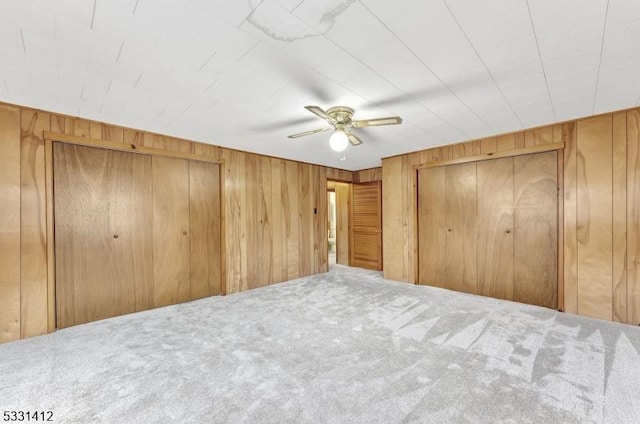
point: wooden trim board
(494, 155)
(126, 147)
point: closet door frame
(49, 139)
(559, 147)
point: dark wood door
(103, 233)
(366, 225)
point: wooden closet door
(205, 242)
(103, 233)
(460, 206)
(495, 228)
(171, 268)
(366, 225)
(536, 229)
(432, 230)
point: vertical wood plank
(265, 220)
(432, 231)
(569, 136)
(495, 228)
(9, 223)
(536, 229)
(204, 223)
(594, 224)
(305, 219)
(488, 145)
(276, 220)
(33, 224)
(290, 202)
(113, 133)
(461, 216)
(619, 206)
(95, 130)
(506, 142)
(321, 243)
(343, 209)
(633, 217)
(171, 268)
(251, 220)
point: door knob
(449, 230)
(184, 233)
(508, 231)
(115, 236)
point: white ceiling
(237, 73)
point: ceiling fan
(341, 119)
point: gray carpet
(343, 347)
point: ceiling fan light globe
(338, 141)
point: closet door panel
(461, 216)
(536, 229)
(432, 231)
(103, 232)
(171, 268)
(495, 228)
(204, 212)
(366, 225)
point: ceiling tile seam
(135, 7)
(93, 13)
(544, 72)
(504, 97)
(250, 13)
(24, 46)
(604, 34)
(6, 86)
(297, 6)
(428, 68)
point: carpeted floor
(343, 347)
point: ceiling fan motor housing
(341, 115)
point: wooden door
(432, 230)
(460, 205)
(204, 222)
(103, 233)
(366, 225)
(171, 246)
(495, 228)
(536, 229)
(343, 207)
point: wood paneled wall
(275, 212)
(601, 211)
(367, 175)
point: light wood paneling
(594, 223)
(367, 175)
(460, 205)
(570, 255)
(366, 225)
(103, 233)
(170, 230)
(495, 228)
(33, 273)
(204, 222)
(633, 217)
(343, 208)
(9, 223)
(395, 221)
(536, 229)
(619, 206)
(432, 228)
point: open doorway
(338, 216)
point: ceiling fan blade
(355, 141)
(392, 120)
(318, 111)
(302, 134)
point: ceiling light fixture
(339, 141)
